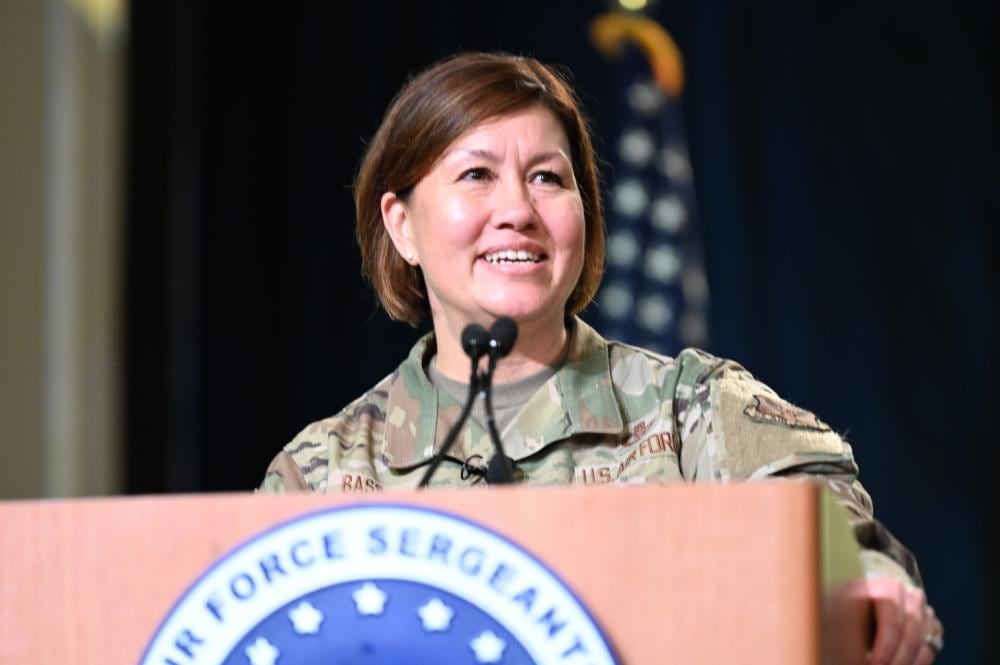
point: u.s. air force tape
(378, 584)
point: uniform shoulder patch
(776, 411)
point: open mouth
(512, 256)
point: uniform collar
(578, 399)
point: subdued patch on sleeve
(751, 443)
(776, 411)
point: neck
(539, 345)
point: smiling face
(497, 225)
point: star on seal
(369, 599)
(305, 618)
(488, 647)
(262, 652)
(435, 615)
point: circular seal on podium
(376, 584)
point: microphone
(475, 343)
(502, 336)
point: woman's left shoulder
(687, 370)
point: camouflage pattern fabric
(612, 414)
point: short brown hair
(433, 110)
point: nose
(514, 206)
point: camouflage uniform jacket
(612, 414)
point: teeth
(511, 255)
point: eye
(547, 178)
(476, 174)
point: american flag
(655, 293)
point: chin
(524, 312)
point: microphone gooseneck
(475, 343)
(503, 336)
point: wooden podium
(685, 574)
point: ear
(396, 217)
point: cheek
(580, 247)
(449, 227)
(572, 232)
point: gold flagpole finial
(610, 31)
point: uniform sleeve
(283, 475)
(301, 466)
(733, 427)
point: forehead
(534, 125)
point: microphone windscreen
(475, 340)
(499, 469)
(503, 335)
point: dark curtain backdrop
(847, 162)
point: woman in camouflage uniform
(478, 198)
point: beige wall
(60, 212)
